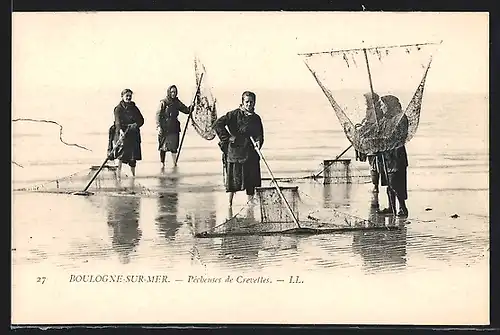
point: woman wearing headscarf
(128, 120)
(395, 160)
(369, 125)
(240, 160)
(168, 125)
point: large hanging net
(205, 111)
(376, 93)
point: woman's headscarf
(373, 109)
(394, 125)
(168, 97)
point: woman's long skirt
(130, 151)
(242, 176)
(168, 142)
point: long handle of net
(371, 88)
(255, 145)
(189, 118)
(331, 163)
(118, 143)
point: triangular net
(270, 216)
(357, 81)
(205, 110)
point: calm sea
(301, 130)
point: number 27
(40, 279)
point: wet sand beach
(436, 262)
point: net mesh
(271, 216)
(106, 183)
(357, 83)
(205, 112)
(333, 171)
(341, 171)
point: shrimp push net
(270, 215)
(105, 183)
(355, 82)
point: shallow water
(428, 259)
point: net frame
(76, 182)
(333, 174)
(204, 113)
(310, 224)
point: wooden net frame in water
(265, 231)
(333, 171)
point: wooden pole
(120, 140)
(371, 86)
(188, 119)
(372, 48)
(331, 163)
(275, 182)
(381, 155)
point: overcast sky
(240, 50)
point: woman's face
(248, 103)
(172, 92)
(127, 97)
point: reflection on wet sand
(204, 211)
(336, 195)
(168, 203)
(252, 250)
(203, 214)
(381, 249)
(241, 251)
(127, 185)
(123, 219)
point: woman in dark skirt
(395, 161)
(128, 118)
(240, 160)
(168, 125)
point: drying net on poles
(270, 216)
(355, 82)
(205, 111)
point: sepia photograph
(250, 167)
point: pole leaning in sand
(189, 118)
(118, 143)
(256, 147)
